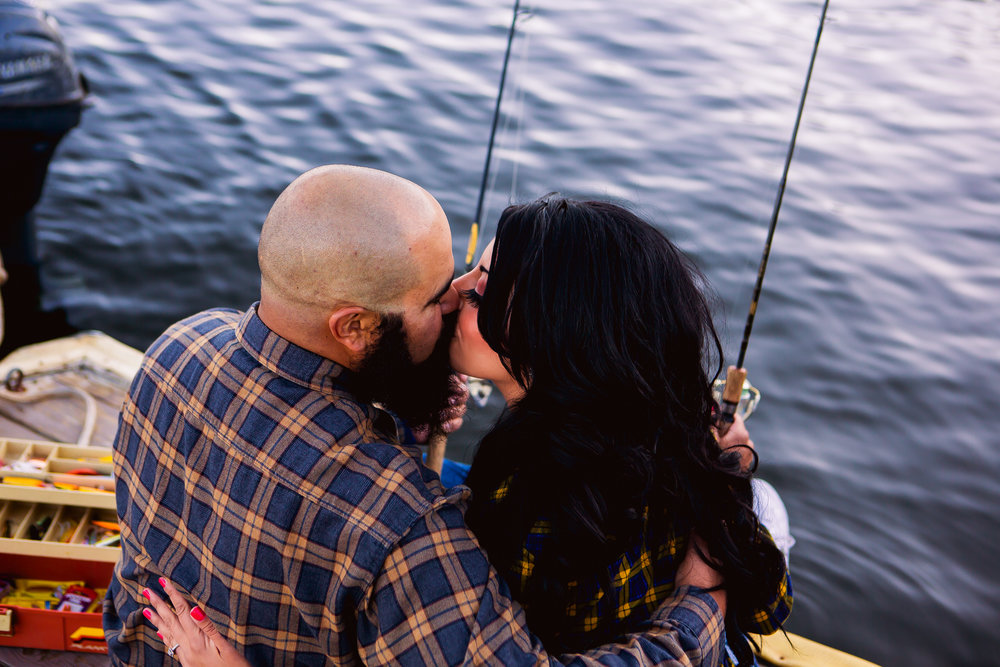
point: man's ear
(354, 327)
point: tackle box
(57, 520)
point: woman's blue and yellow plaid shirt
(642, 577)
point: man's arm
(439, 601)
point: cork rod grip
(735, 377)
(435, 450)
(730, 398)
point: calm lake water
(877, 342)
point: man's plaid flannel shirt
(304, 527)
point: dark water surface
(877, 343)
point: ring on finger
(173, 649)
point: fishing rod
(437, 441)
(474, 229)
(737, 375)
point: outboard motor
(42, 96)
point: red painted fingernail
(148, 614)
(159, 635)
(163, 582)
(197, 614)
(145, 593)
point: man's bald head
(342, 234)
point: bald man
(356, 266)
(265, 467)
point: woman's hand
(451, 418)
(739, 436)
(188, 634)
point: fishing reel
(479, 390)
(749, 397)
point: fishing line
(520, 93)
(736, 375)
(474, 229)
(512, 118)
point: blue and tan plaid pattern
(641, 579)
(304, 524)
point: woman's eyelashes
(473, 297)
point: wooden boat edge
(89, 349)
(791, 650)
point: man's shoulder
(199, 325)
(325, 447)
(206, 332)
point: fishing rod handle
(435, 449)
(731, 393)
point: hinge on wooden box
(6, 622)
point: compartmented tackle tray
(58, 531)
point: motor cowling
(36, 68)
(42, 96)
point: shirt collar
(283, 357)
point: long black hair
(605, 325)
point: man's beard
(417, 393)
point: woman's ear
(355, 328)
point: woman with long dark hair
(588, 488)
(591, 486)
